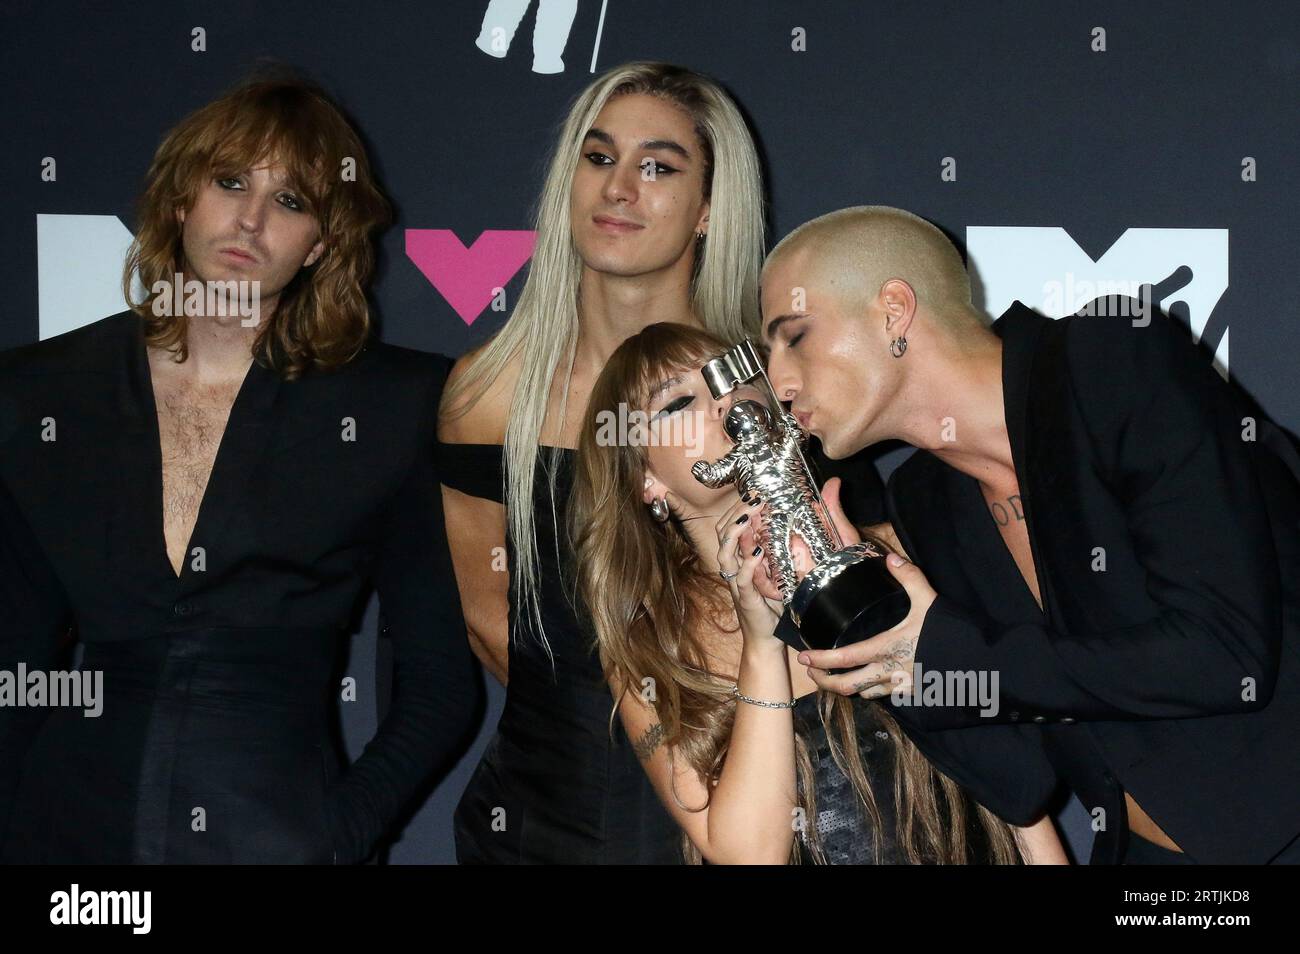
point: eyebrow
(281, 178)
(596, 133)
(663, 386)
(769, 333)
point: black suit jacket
(219, 682)
(1171, 670)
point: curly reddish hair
(322, 319)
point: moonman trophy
(849, 592)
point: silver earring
(659, 509)
(898, 346)
(699, 236)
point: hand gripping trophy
(849, 591)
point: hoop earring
(898, 346)
(659, 509)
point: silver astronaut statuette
(849, 593)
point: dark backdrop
(1167, 157)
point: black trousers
(211, 748)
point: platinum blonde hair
(862, 247)
(543, 328)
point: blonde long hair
(650, 597)
(542, 331)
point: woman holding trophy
(753, 763)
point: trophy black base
(859, 599)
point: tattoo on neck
(1003, 515)
(650, 739)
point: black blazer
(1126, 443)
(219, 683)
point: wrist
(778, 700)
(766, 648)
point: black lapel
(1022, 332)
(136, 535)
(242, 444)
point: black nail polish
(742, 518)
(756, 501)
(757, 550)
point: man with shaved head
(1095, 518)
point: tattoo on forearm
(650, 739)
(1004, 514)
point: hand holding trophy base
(849, 594)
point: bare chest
(191, 423)
(1008, 512)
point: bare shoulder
(479, 415)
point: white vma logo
(551, 29)
(1187, 270)
(79, 262)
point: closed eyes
(678, 404)
(685, 401)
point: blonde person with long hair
(651, 210)
(753, 762)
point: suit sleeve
(436, 688)
(1167, 439)
(34, 617)
(1003, 767)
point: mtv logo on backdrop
(79, 270)
(1187, 270)
(94, 248)
(1045, 269)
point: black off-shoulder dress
(553, 786)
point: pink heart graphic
(466, 277)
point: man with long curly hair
(198, 489)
